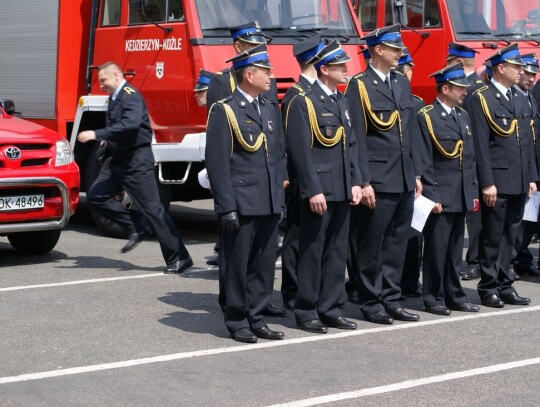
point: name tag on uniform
(327, 114)
(248, 121)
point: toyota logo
(13, 153)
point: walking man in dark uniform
(323, 151)
(523, 262)
(303, 51)
(449, 180)
(128, 136)
(461, 53)
(506, 174)
(245, 160)
(384, 120)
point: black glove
(230, 222)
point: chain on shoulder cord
(458, 148)
(378, 123)
(533, 132)
(316, 132)
(235, 129)
(494, 126)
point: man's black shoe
(527, 270)
(271, 311)
(213, 261)
(133, 241)
(267, 333)
(339, 323)
(379, 317)
(314, 326)
(470, 273)
(438, 310)
(401, 315)
(515, 299)
(493, 301)
(244, 335)
(512, 273)
(289, 305)
(179, 266)
(466, 307)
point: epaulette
(129, 90)
(397, 72)
(359, 75)
(479, 90)
(297, 87)
(268, 100)
(426, 109)
(226, 99)
(459, 107)
(306, 92)
(418, 97)
(479, 81)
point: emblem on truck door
(13, 153)
(160, 67)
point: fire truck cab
(429, 25)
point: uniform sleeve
(218, 160)
(356, 175)
(131, 118)
(217, 90)
(359, 125)
(426, 148)
(416, 149)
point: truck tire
(39, 242)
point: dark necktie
(509, 95)
(334, 97)
(387, 81)
(255, 104)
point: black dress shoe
(267, 333)
(470, 273)
(213, 261)
(493, 301)
(289, 305)
(438, 310)
(379, 317)
(528, 270)
(134, 240)
(512, 273)
(339, 323)
(179, 266)
(401, 315)
(314, 326)
(244, 335)
(515, 299)
(271, 311)
(466, 307)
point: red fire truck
(50, 51)
(429, 25)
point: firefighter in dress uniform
(245, 160)
(323, 152)
(449, 180)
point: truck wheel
(39, 242)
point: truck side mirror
(7, 105)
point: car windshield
(512, 20)
(280, 19)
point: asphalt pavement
(88, 326)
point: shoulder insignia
(426, 109)
(479, 90)
(460, 108)
(297, 87)
(418, 97)
(359, 75)
(268, 100)
(225, 100)
(129, 90)
(479, 81)
(306, 92)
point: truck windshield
(512, 20)
(280, 19)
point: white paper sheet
(422, 209)
(531, 207)
(203, 179)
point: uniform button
(495, 165)
(241, 182)
(318, 170)
(403, 150)
(372, 157)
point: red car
(39, 183)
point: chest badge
(504, 121)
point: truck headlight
(64, 155)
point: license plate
(17, 203)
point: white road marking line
(252, 347)
(332, 398)
(76, 282)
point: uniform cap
(308, 48)
(508, 54)
(365, 52)
(531, 63)
(406, 58)
(489, 69)
(256, 56)
(250, 32)
(456, 50)
(453, 74)
(203, 80)
(390, 36)
(331, 54)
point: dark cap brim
(516, 61)
(254, 39)
(398, 44)
(464, 82)
(263, 64)
(344, 58)
(530, 68)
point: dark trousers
(474, 226)
(497, 238)
(443, 251)
(411, 266)
(250, 258)
(135, 175)
(321, 261)
(381, 235)
(526, 230)
(291, 244)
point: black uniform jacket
(445, 180)
(248, 182)
(301, 86)
(319, 169)
(390, 165)
(506, 161)
(530, 113)
(224, 83)
(127, 123)
(475, 83)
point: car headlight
(64, 154)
